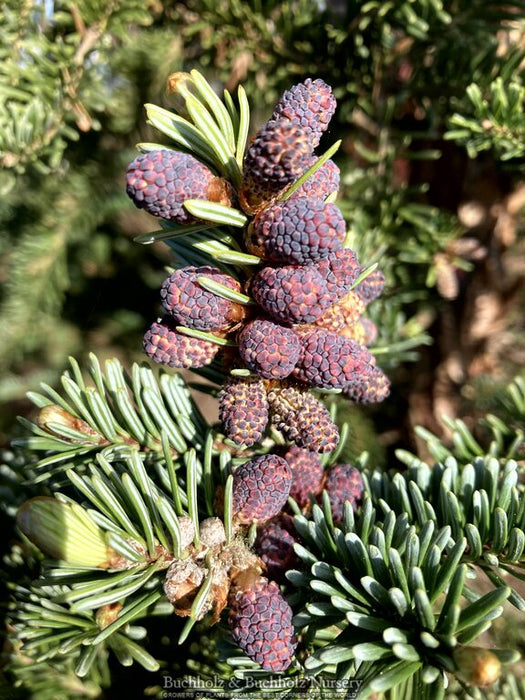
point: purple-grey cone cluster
(283, 148)
(306, 327)
(293, 323)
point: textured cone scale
(371, 287)
(309, 104)
(269, 350)
(261, 623)
(330, 361)
(276, 157)
(243, 409)
(323, 182)
(192, 306)
(297, 231)
(339, 270)
(160, 181)
(302, 418)
(307, 474)
(260, 488)
(346, 312)
(291, 294)
(166, 346)
(212, 533)
(355, 331)
(370, 331)
(344, 483)
(373, 386)
(181, 584)
(274, 544)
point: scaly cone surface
(275, 296)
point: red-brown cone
(261, 623)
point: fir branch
(496, 121)
(119, 413)
(380, 590)
(47, 84)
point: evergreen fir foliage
(496, 122)
(52, 77)
(389, 594)
(73, 79)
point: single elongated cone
(261, 623)
(301, 417)
(329, 361)
(64, 531)
(292, 294)
(243, 409)
(372, 386)
(269, 349)
(309, 104)
(297, 231)
(339, 271)
(371, 287)
(274, 544)
(323, 182)
(307, 474)
(344, 483)
(161, 181)
(277, 156)
(166, 346)
(260, 488)
(192, 306)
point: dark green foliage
(385, 592)
(394, 578)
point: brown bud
(183, 580)
(238, 558)
(219, 592)
(187, 531)
(476, 666)
(178, 82)
(221, 192)
(53, 414)
(212, 533)
(178, 86)
(107, 614)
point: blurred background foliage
(430, 110)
